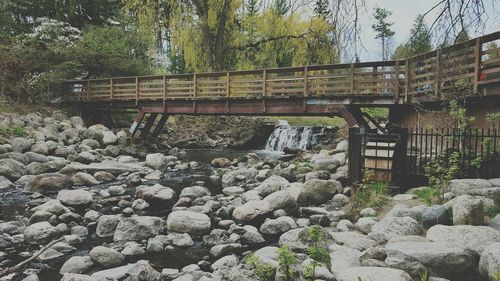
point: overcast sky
(404, 13)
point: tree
(253, 7)
(321, 9)
(382, 28)
(419, 42)
(281, 7)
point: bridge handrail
(436, 74)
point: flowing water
(286, 136)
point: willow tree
(213, 35)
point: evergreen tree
(419, 43)
(462, 37)
(383, 28)
(321, 9)
(281, 7)
(253, 7)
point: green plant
(263, 271)
(496, 276)
(316, 252)
(424, 276)
(13, 130)
(494, 210)
(429, 195)
(286, 258)
(370, 194)
(440, 172)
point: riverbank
(125, 213)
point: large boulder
(373, 274)
(156, 160)
(318, 191)
(21, 144)
(242, 174)
(297, 239)
(489, 263)
(251, 210)
(326, 162)
(392, 227)
(77, 277)
(441, 259)
(138, 228)
(74, 198)
(50, 182)
(468, 210)
(12, 169)
(272, 184)
(5, 184)
(82, 178)
(141, 270)
(475, 238)
(282, 199)
(437, 214)
(106, 257)
(106, 225)
(277, 226)
(188, 222)
(353, 240)
(464, 186)
(156, 194)
(108, 137)
(39, 233)
(77, 264)
(194, 192)
(53, 206)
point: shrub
(13, 131)
(318, 254)
(286, 258)
(263, 271)
(494, 210)
(372, 194)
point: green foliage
(424, 276)
(496, 276)
(321, 9)
(369, 195)
(380, 114)
(419, 43)
(382, 28)
(494, 210)
(318, 253)
(459, 115)
(430, 196)
(440, 172)
(263, 271)
(13, 131)
(286, 258)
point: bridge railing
(460, 68)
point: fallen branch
(15, 268)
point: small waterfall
(284, 135)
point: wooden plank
(385, 164)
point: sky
(404, 13)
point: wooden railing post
(164, 93)
(264, 86)
(437, 80)
(306, 74)
(195, 88)
(477, 63)
(352, 79)
(111, 88)
(228, 86)
(88, 91)
(407, 79)
(396, 82)
(136, 90)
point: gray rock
(343, 258)
(156, 194)
(468, 210)
(77, 264)
(23, 158)
(229, 261)
(39, 233)
(277, 226)
(282, 199)
(141, 270)
(340, 199)
(40, 147)
(441, 259)
(251, 210)
(436, 214)
(75, 197)
(181, 240)
(106, 257)
(373, 274)
(36, 168)
(317, 192)
(463, 186)
(12, 169)
(108, 137)
(392, 227)
(220, 162)
(194, 192)
(353, 240)
(224, 249)
(5, 184)
(365, 225)
(111, 166)
(495, 222)
(272, 184)
(156, 160)
(230, 178)
(138, 228)
(49, 182)
(77, 277)
(82, 178)
(189, 222)
(475, 238)
(52, 206)
(233, 190)
(34, 157)
(106, 225)
(296, 239)
(104, 176)
(21, 144)
(489, 263)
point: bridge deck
(465, 68)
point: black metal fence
(478, 150)
(401, 156)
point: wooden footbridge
(469, 69)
